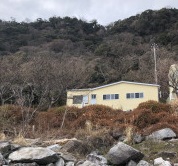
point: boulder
(60, 162)
(143, 163)
(166, 154)
(24, 164)
(97, 159)
(55, 147)
(76, 146)
(162, 134)
(34, 154)
(160, 162)
(5, 147)
(51, 164)
(131, 163)
(15, 147)
(123, 153)
(68, 157)
(70, 163)
(138, 138)
(117, 133)
(2, 160)
(87, 163)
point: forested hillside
(40, 60)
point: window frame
(136, 95)
(110, 96)
(93, 96)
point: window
(106, 97)
(116, 96)
(77, 99)
(110, 96)
(141, 95)
(134, 95)
(93, 96)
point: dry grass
(146, 118)
(129, 131)
(174, 106)
(20, 140)
(3, 137)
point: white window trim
(110, 96)
(134, 97)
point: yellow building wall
(149, 92)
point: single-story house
(119, 95)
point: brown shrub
(154, 106)
(158, 126)
(99, 116)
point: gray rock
(24, 164)
(70, 163)
(68, 157)
(5, 147)
(160, 162)
(60, 162)
(131, 163)
(34, 154)
(51, 164)
(76, 146)
(138, 138)
(15, 147)
(2, 160)
(123, 153)
(87, 163)
(143, 163)
(97, 159)
(55, 148)
(162, 134)
(117, 133)
(167, 154)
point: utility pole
(154, 46)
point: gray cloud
(104, 11)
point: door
(85, 100)
(93, 99)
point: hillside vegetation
(71, 121)
(40, 60)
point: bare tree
(173, 78)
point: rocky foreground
(62, 155)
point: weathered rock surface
(70, 163)
(138, 138)
(143, 163)
(123, 153)
(160, 162)
(34, 154)
(97, 159)
(68, 157)
(55, 148)
(60, 162)
(167, 154)
(5, 147)
(162, 134)
(131, 163)
(24, 164)
(75, 146)
(87, 163)
(117, 133)
(2, 160)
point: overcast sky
(104, 11)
